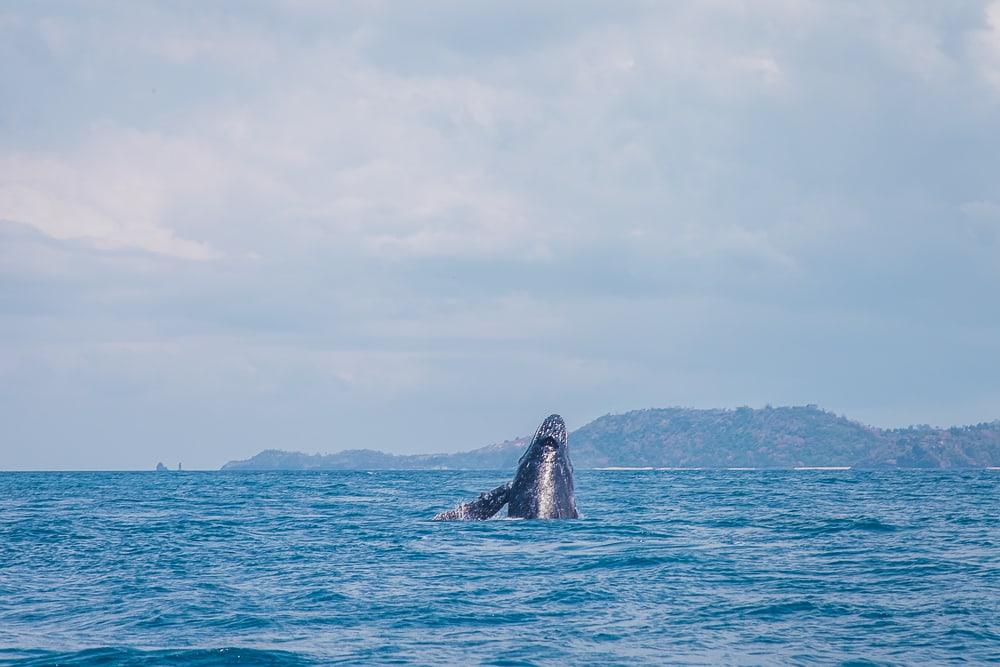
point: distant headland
(782, 437)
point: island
(769, 437)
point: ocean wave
(703, 567)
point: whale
(542, 487)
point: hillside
(498, 456)
(784, 437)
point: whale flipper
(486, 505)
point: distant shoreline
(783, 438)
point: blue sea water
(665, 566)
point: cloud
(984, 46)
(315, 225)
(114, 192)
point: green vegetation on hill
(767, 438)
(784, 437)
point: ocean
(685, 566)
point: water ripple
(345, 567)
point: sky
(422, 227)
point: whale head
(551, 434)
(543, 485)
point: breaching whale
(542, 488)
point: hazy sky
(425, 226)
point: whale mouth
(549, 442)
